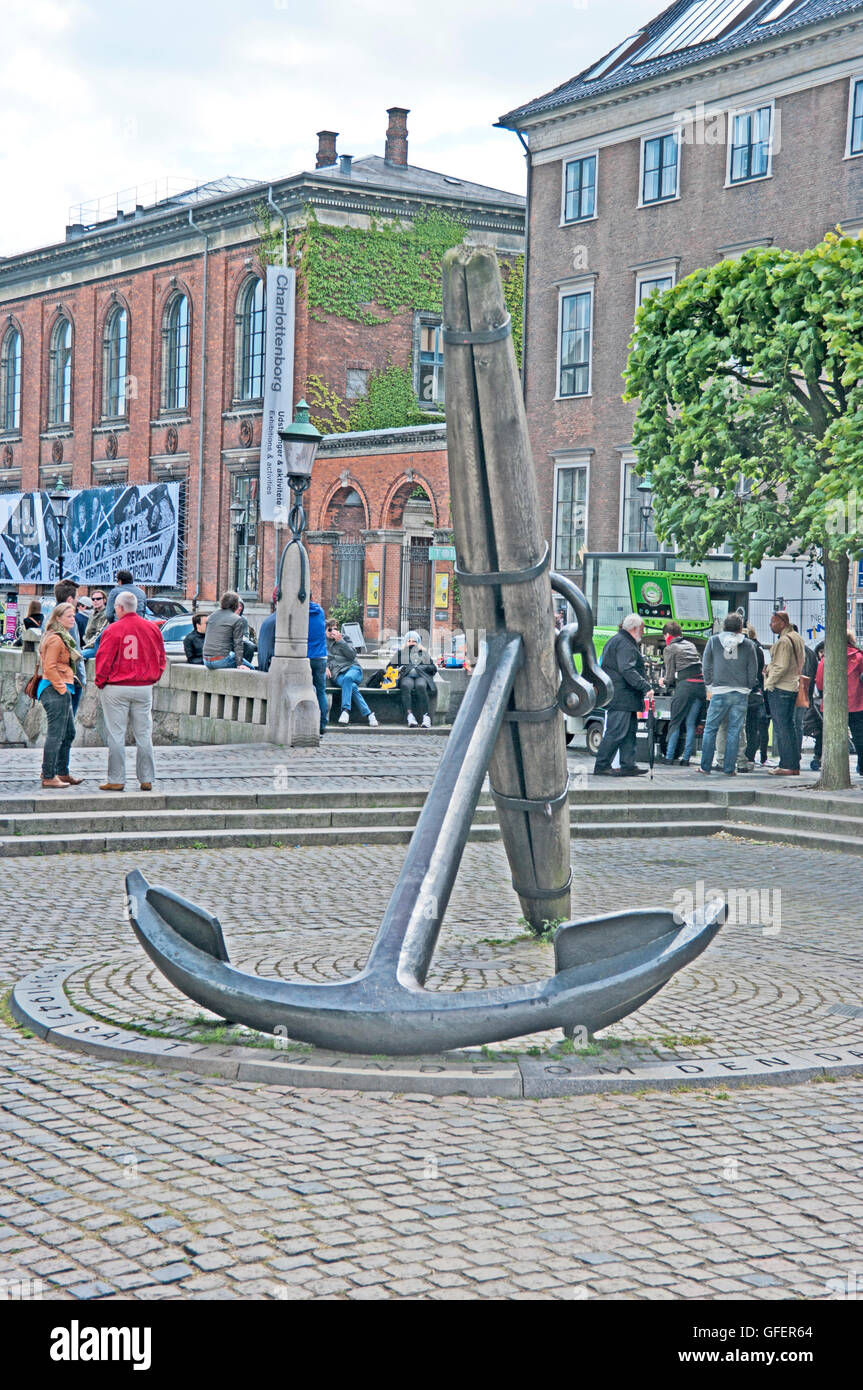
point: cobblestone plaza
(120, 1180)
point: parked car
(173, 631)
(165, 608)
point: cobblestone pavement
(343, 761)
(124, 1181)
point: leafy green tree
(749, 382)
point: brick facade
(142, 262)
(812, 186)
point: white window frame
(662, 271)
(856, 81)
(579, 458)
(566, 291)
(645, 141)
(576, 159)
(749, 110)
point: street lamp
(238, 519)
(60, 500)
(300, 445)
(645, 488)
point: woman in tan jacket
(58, 655)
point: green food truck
(658, 587)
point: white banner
(106, 529)
(278, 391)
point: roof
(409, 178)
(630, 72)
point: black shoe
(604, 772)
(684, 762)
(631, 772)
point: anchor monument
(510, 726)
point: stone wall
(190, 705)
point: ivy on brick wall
(512, 276)
(390, 403)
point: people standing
(193, 642)
(623, 663)
(730, 670)
(98, 619)
(225, 635)
(33, 621)
(129, 662)
(347, 673)
(125, 584)
(813, 723)
(757, 718)
(855, 695)
(682, 675)
(83, 612)
(58, 658)
(317, 654)
(416, 681)
(781, 683)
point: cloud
(96, 97)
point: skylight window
(614, 57)
(777, 11)
(699, 23)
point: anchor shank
(408, 933)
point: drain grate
(846, 1010)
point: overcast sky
(100, 95)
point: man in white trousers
(129, 662)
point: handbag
(802, 701)
(32, 685)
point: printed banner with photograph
(107, 528)
(278, 391)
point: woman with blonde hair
(58, 657)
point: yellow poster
(373, 588)
(441, 591)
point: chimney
(326, 149)
(397, 136)
(345, 165)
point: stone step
(802, 819)
(287, 819)
(103, 842)
(607, 813)
(53, 805)
(803, 839)
(849, 806)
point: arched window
(60, 374)
(176, 338)
(115, 357)
(10, 381)
(250, 348)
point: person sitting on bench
(416, 681)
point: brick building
(721, 125)
(133, 351)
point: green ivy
(346, 610)
(512, 276)
(390, 404)
(368, 275)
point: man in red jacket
(129, 662)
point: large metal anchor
(509, 725)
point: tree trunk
(835, 775)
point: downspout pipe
(526, 148)
(203, 413)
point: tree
(749, 381)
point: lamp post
(238, 521)
(293, 715)
(60, 500)
(645, 489)
(300, 446)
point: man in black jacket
(193, 642)
(623, 662)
